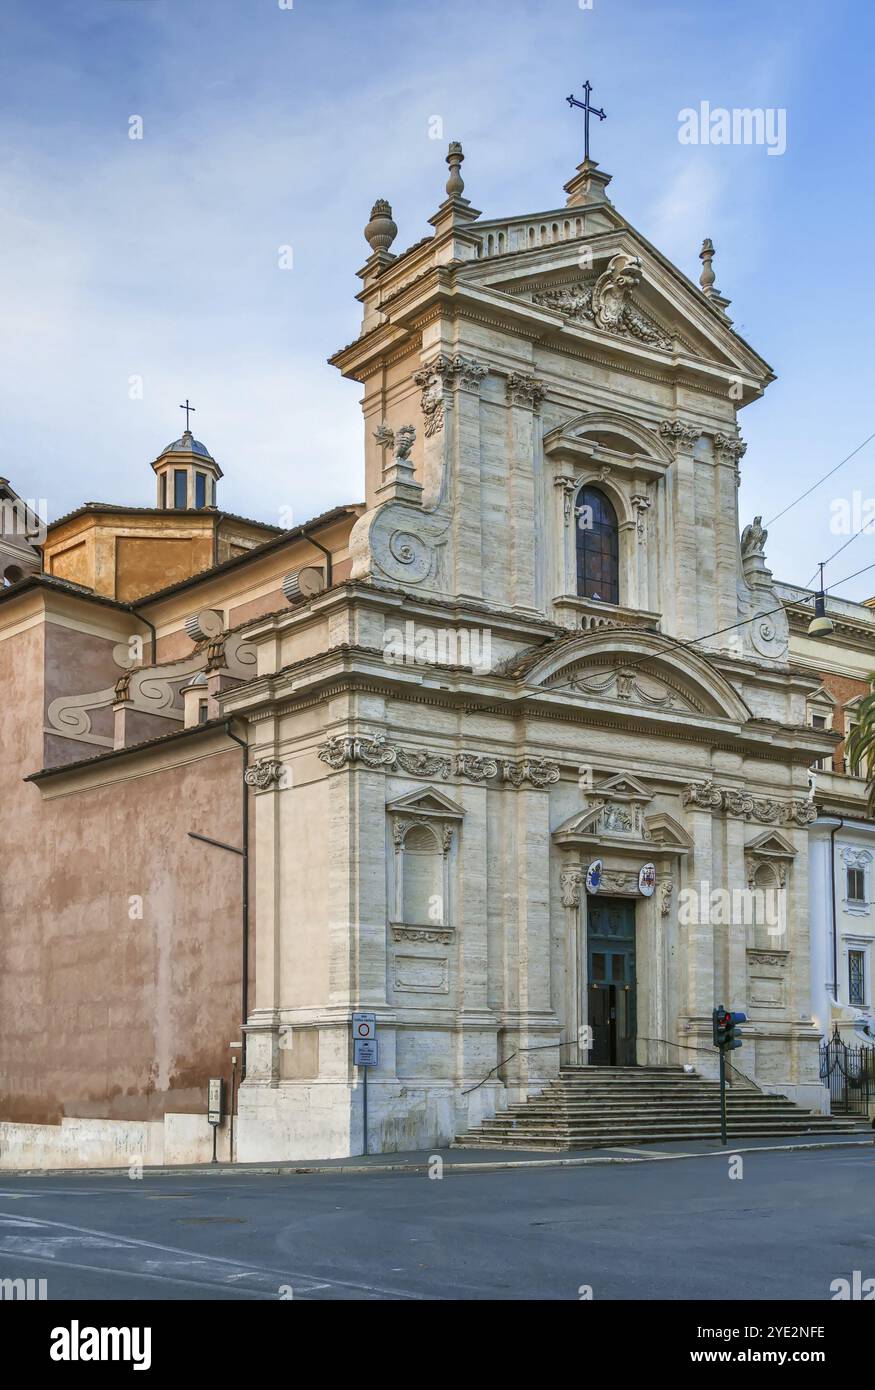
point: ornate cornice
(735, 802)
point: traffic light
(720, 1021)
(733, 1032)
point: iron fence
(849, 1072)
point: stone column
(735, 967)
(820, 907)
(262, 1026)
(464, 481)
(682, 438)
(727, 452)
(530, 1018)
(696, 1009)
(524, 396)
(477, 1024)
(573, 897)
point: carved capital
(729, 448)
(264, 774)
(525, 391)
(678, 435)
(440, 377)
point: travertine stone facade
(594, 731)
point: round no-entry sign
(364, 1025)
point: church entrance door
(611, 981)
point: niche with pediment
(768, 860)
(424, 828)
(615, 815)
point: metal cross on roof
(188, 409)
(587, 112)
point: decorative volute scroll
(765, 626)
(152, 689)
(205, 625)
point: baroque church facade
(505, 727)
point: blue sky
(266, 126)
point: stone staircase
(607, 1107)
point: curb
(421, 1166)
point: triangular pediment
(623, 787)
(430, 801)
(666, 832)
(822, 697)
(771, 844)
(607, 281)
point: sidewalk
(459, 1160)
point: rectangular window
(202, 712)
(818, 721)
(164, 490)
(200, 489)
(856, 885)
(180, 488)
(856, 978)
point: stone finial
(706, 279)
(455, 185)
(381, 231)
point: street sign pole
(365, 1054)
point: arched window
(598, 546)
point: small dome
(188, 445)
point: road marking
(163, 1278)
(651, 1153)
(135, 1243)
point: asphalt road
(793, 1222)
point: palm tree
(860, 746)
